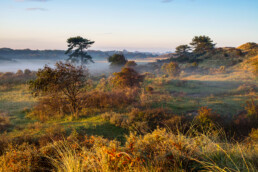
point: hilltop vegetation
(27, 54)
(196, 111)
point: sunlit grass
(225, 97)
(16, 100)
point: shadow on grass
(195, 88)
(105, 130)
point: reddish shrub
(128, 77)
(49, 108)
(147, 120)
(114, 99)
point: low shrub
(149, 89)
(53, 133)
(254, 135)
(86, 112)
(178, 123)
(171, 69)
(109, 100)
(252, 109)
(147, 120)
(103, 85)
(127, 77)
(255, 71)
(117, 119)
(159, 150)
(4, 122)
(49, 107)
(206, 119)
(149, 75)
(27, 72)
(246, 120)
(130, 64)
(11, 79)
(20, 158)
(19, 72)
(156, 151)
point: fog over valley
(13, 60)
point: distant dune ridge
(9, 54)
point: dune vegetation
(195, 111)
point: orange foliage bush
(20, 158)
(113, 99)
(128, 77)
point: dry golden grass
(157, 151)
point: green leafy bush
(117, 60)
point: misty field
(128, 86)
(184, 113)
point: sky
(134, 25)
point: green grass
(14, 101)
(223, 97)
(94, 126)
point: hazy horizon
(91, 49)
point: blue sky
(135, 25)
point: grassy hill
(203, 120)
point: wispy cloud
(36, 9)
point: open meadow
(176, 114)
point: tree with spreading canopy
(65, 80)
(183, 49)
(202, 44)
(76, 47)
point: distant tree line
(200, 45)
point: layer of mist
(99, 66)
